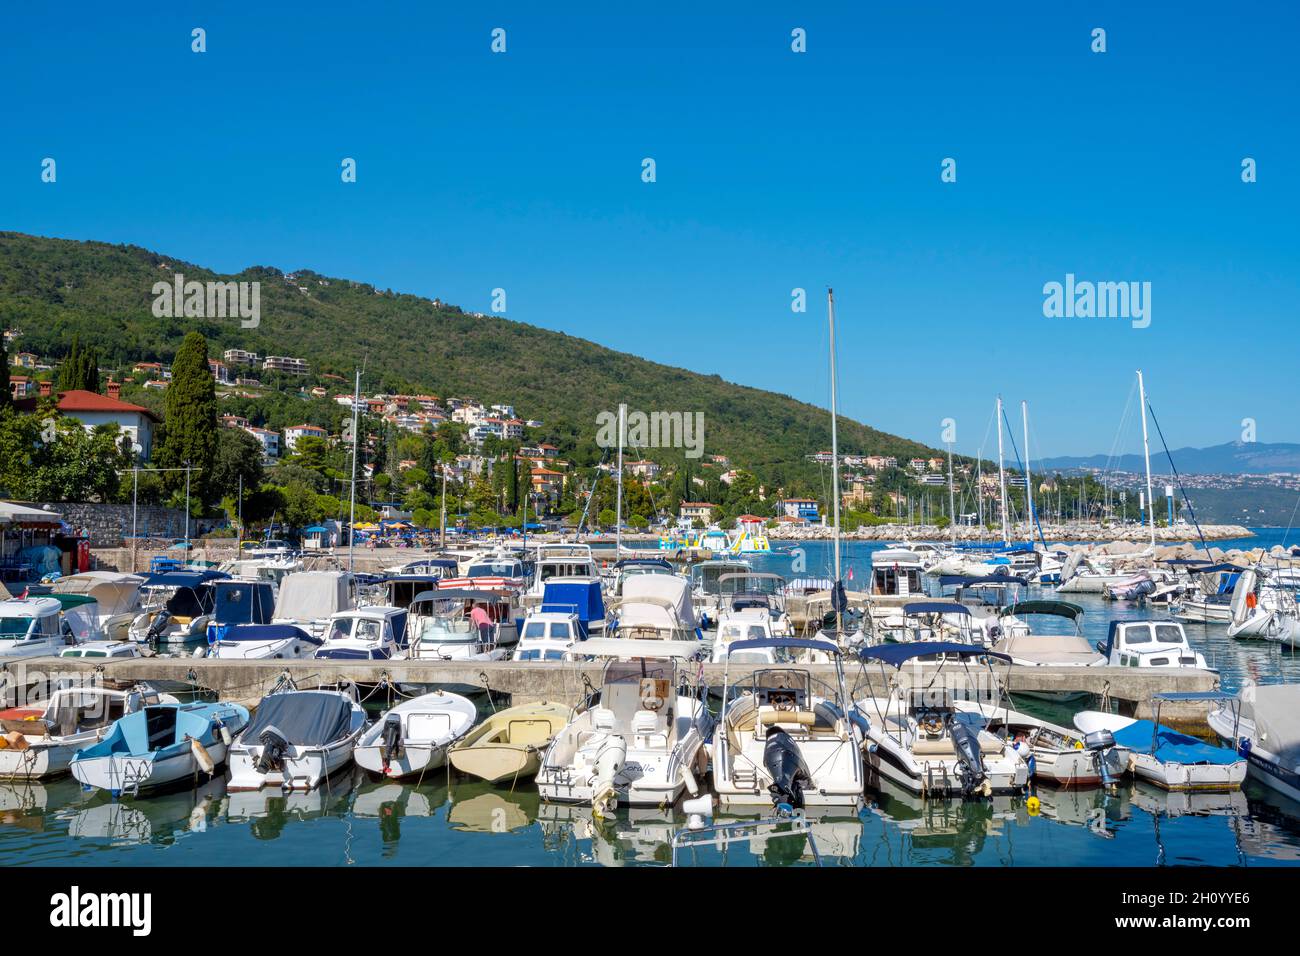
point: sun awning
(26, 516)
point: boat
(309, 599)
(641, 741)
(757, 589)
(297, 739)
(439, 627)
(160, 745)
(919, 738)
(1264, 606)
(1054, 754)
(1149, 644)
(746, 620)
(549, 636)
(785, 739)
(1047, 650)
(1262, 724)
(176, 607)
(1163, 756)
(116, 596)
(236, 602)
(33, 627)
(371, 633)
(1133, 588)
(508, 745)
(413, 737)
(38, 742)
(655, 607)
(1210, 601)
(570, 561)
(706, 587)
(251, 642)
(110, 650)
(897, 572)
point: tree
(80, 370)
(6, 397)
(190, 419)
(239, 455)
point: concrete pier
(247, 681)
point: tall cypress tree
(190, 419)
(70, 368)
(5, 396)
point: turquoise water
(446, 821)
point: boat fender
(1132, 762)
(225, 732)
(689, 779)
(202, 757)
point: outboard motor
(390, 740)
(274, 748)
(158, 625)
(966, 741)
(1101, 745)
(789, 773)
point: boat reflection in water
(939, 830)
(390, 802)
(161, 820)
(482, 808)
(633, 836)
(269, 810)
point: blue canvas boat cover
(581, 597)
(1171, 746)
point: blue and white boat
(1263, 725)
(371, 633)
(1163, 756)
(251, 642)
(159, 745)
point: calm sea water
(357, 821)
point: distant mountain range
(1233, 458)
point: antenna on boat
(1146, 453)
(835, 463)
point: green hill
(53, 289)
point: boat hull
(130, 774)
(304, 769)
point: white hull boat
(1263, 724)
(296, 740)
(1170, 760)
(413, 737)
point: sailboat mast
(352, 499)
(835, 443)
(952, 510)
(1002, 476)
(1146, 453)
(1029, 485)
(618, 517)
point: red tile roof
(79, 400)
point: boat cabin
(31, 627)
(1149, 644)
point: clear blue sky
(775, 170)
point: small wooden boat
(509, 745)
(159, 745)
(414, 736)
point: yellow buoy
(1032, 806)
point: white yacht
(32, 627)
(641, 743)
(656, 606)
(1150, 644)
(1263, 725)
(549, 636)
(439, 627)
(372, 633)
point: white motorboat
(1163, 756)
(371, 633)
(33, 627)
(109, 650)
(1263, 725)
(783, 738)
(760, 590)
(1047, 650)
(297, 739)
(413, 737)
(706, 588)
(549, 636)
(1264, 607)
(918, 737)
(656, 607)
(1054, 754)
(744, 623)
(1150, 644)
(439, 627)
(39, 742)
(159, 745)
(641, 742)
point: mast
(618, 517)
(352, 505)
(1002, 475)
(442, 525)
(1029, 485)
(979, 489)
(1146, 453)
(835, 452)
(952, 510)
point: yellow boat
(509, 745)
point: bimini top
(1215, 569)
(267, 632)
(1058, 608)
(643, 563)
(934, 607)
(899, 654)
(486, 595)
(965, 580)
(799, 643)
(182, 579)
(627, 648)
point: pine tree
(190, 419)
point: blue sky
(775, 170)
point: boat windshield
(12, 628)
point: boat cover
(305, 718)
(580, 597)
(1171, 746)
(313, 595)
(1275, 710)
(659, 587)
